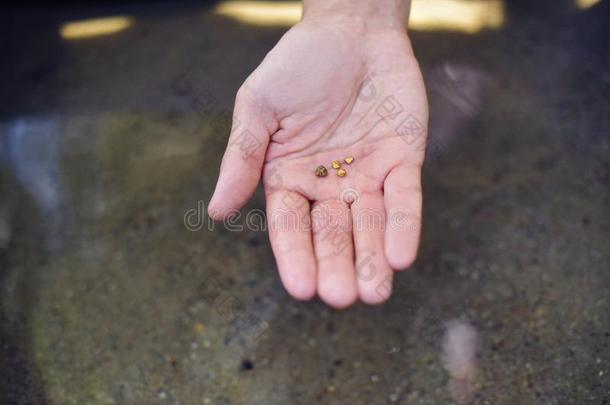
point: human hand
(331, 89)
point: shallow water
(108, 296)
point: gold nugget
(321, 171)
(349, 160)
(336, 164)
(341, 172)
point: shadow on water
(20, 382)
(31, 44)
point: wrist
(360, 15)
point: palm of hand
(320, 95)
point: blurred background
(115, 288)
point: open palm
(322, 94)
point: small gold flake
(321, 171)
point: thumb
(242, 163)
